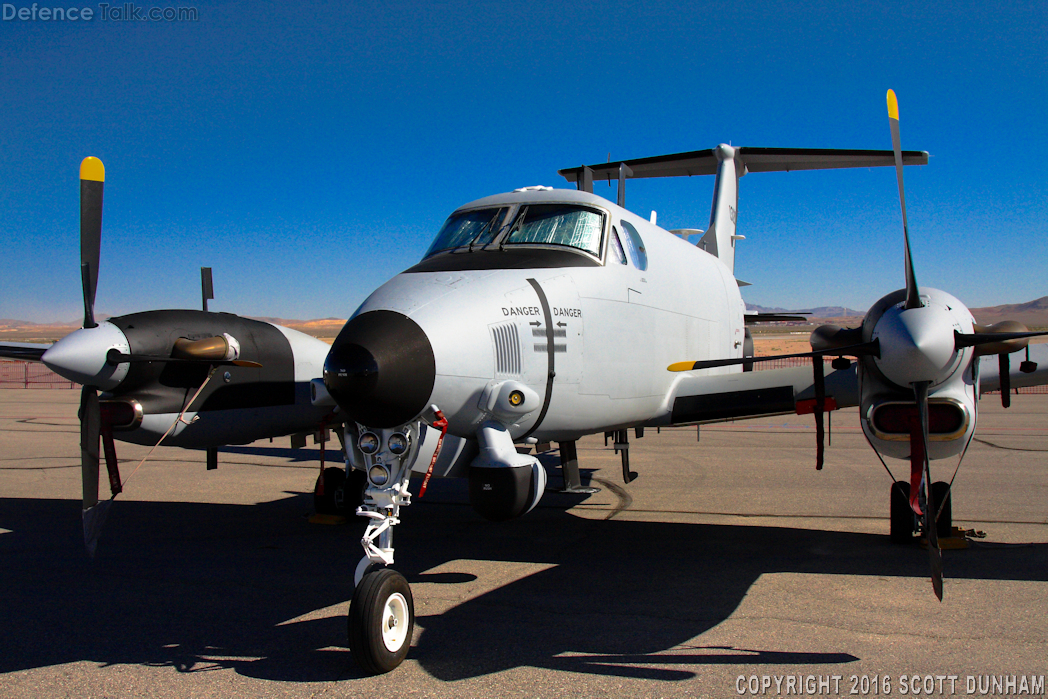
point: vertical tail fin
(720, 237)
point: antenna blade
(207, 287)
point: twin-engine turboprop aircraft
(536, 316)
(545, 315)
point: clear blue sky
(308, 152)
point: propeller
(92, 182)
(920, 470)
(93, 355)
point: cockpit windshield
(567, 225)
(558, 224)
(477, 227)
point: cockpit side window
(636, 246)
(476, 227)
(616, 251)
(559, 224)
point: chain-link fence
(14, 374)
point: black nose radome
(381, 369)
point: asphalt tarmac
(728, 561)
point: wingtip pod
(893, 106)
(91, 168)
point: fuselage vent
(506, 339)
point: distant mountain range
(819, 312)
(1032, 313)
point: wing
(696, 398)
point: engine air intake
(947, 420)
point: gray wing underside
(989, 371)
(697, 399)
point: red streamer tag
(442, 423)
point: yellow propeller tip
(680, 366)
(893, 106)
(92, 169)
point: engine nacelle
(503, 493)
(918, 345)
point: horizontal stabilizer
(704, 162)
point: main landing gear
(905, 523)
(335, 493)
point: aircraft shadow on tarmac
(205, 586)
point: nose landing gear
(382, 612)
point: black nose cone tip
(381, 369)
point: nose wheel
(381, 621)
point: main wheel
(328, 482)
(342, 495)
(903, 520)
(944, 525)
(381, 620)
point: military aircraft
(193, 379)
(544, 315)
(536, 316)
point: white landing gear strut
(382, 613)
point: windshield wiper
(517, 225)
(485, 229)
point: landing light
(516, 398)
(398, 443)
(378, 475)
(368, 443)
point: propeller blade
(920, 391)
(913, 298)
(820, 407)
(994, 342)
(90, 433)
(94, 512)
(859, 350)
(1004, 365)
(92, 182)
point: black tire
(333, 479)
(903, 520)
(353, 491)
(944, 525)
(377, 644)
